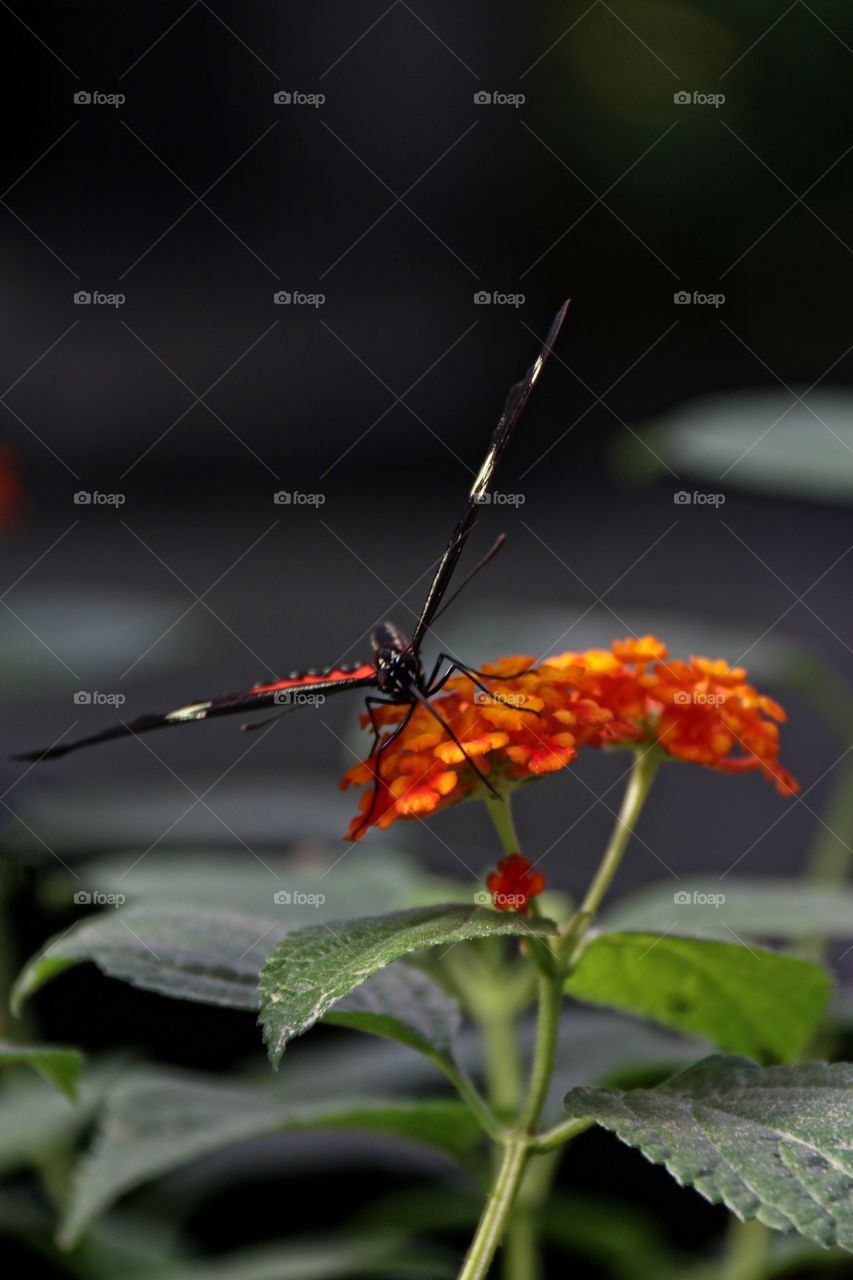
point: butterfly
(395, 673)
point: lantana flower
(514, 883)
(700, 711)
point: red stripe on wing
(365, 672)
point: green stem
(643, 772)
(503, 1070)
(500, 812)
(497, 1210)
(520, 1250)
(521, 1259)
(469, 1092)
(502, 1062)
(550, 1000)
(559, 1135)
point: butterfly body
(398, 667)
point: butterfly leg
(250, 726)
(377, 750)
(476, 678)
(424, 702)
(431, 682)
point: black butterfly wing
(282, 694)
(512, 410)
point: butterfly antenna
(499, 542)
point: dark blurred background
(398, 198)
(382, 211)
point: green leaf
(756, 439)
(743, 999)
(402, 1004)
(316, 1259)
(192, 954)
(766, 908)
(595, 1046)
(215, 957)
(311, 970)
(59, 1065)
(296, 889)
(773, 1143)
(155, 1122)
(35, 1118)
(125, 1244)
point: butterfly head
(397, 665)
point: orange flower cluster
(700, 711)
(514, 883)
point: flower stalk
(523, 1140)
(640, 780)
